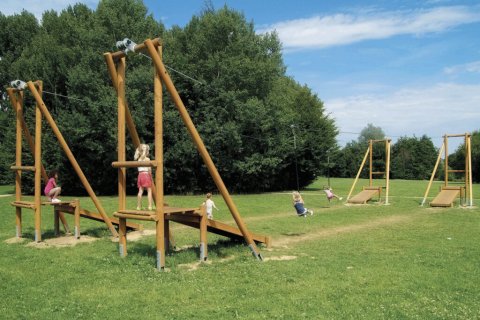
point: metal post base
(121, 249)
(203, 257)
(256, 254)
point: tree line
(264, 130)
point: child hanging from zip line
(144, 180)
(298, 204)
(329, 193)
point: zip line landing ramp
(365, 195)
(445, 198)
(224, 229)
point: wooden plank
(134, 164)
(225, 230)
(445, 198)
(97, 217)
(134, 216)
(23, 204)
(25, 168)
(363, 196)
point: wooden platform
(68, 207)
(190, 217)
(446, 197)
(365, 195)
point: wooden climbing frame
(116, 64)
(73, 207)
(368, 192)
(448, 193)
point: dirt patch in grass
(137, 235)
(15, 240)
(280, 258)
(67, 241)
(289, 240)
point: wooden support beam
(71, 158)
(38, 169)
(167, 81)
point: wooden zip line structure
(195, 217)
(73, 207)
(448, 193)
(370, 191)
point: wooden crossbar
(23, 204)
(25, 168)
(133, 164)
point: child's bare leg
(149, 193)
(139, 198)
(57, 192)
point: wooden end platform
(365, 195)
(446, 197)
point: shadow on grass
(293, 234)
(217, 249)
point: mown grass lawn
(400, 261)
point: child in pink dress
(144, 180)
(51, 190)
(329, 193)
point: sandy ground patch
(280, 258)
(15, 240)
(66, 241)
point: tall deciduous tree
(413, 158)
(236, 92)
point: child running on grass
(51, 190)
(298, 203)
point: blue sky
(409, 67)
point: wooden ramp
(69, 207)
(365, 195)
(225, 230)
(445, 198)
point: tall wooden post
(18, 162)
(470, 182)
(70, 157)
(122, 171)
(370, 176)
(38, 166)
(445, 143)
(161, 226)
(201, 147)
(387, 169)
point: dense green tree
(349, 159)
(413, 158)
(457, 159)
(232, 82)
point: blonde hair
(142, 152)
(296, 195)
(209, 195)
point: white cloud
(472, 67)
(37, 8)
(442, 108)
(341, 29)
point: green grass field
(397, 261)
